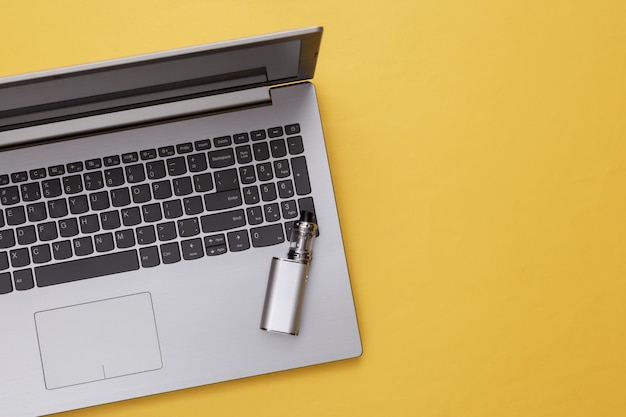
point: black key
(151, 212)
(258, 134)
(222, 141)
(56, 170)
(267, 235)
(41, 254)
(203, 182)
(57, 208)
(83, 246)
(251, 195)
(223, 221)
(72, 184)
(104, 242)
(244, 154)
(86, 268)
(161, 190)
(4, 261)
(19, 257)
(26, 235)
(241, 137)
(226, 180)
(221, 158)
(278, 148)
(238, 241)
(125, 238)
(135, 173)
(141, 193)
(214, 240)
(166, 151)
(176, 166)
(261, 151)
(155, 170)
(272, 212)
(47, 231)
(268, 192)
(184, 148)
(255, 215)
(30, 191)
(149, 257)
(93, 180)
(285, 189)
(23, 279)
(188, 227)
(110, 161)
(145, 235)
(281, 168)
(6, 284)
(216, 250)
(62, 250)
(295, 145)
(68, 227)
(93, 164)
(301, 175)
(197, 162)
(99, 201)
(78, 204)
(172, 209)
(222, 200)
(1, 219)
(51, 188)
(7, 239)
(182, 186)
(114, 177)
(247, 173)
(37, 174)
(131, 216)
(15, 215)
(274, 132)
(89, 224)
(289, 209)
(4, 179)
(148, 154)
(192, 249)
(73, 167)
(306, 204)
(120, 197)
(264, 171)
(110, 220)
(193, 205)
(19, 176)
(9, 195)
(170, 253)
(130, 157)
(166, 231)
(292, 129)
(202, 145)
(36, 212)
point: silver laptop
(141, 203)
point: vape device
(287, 279)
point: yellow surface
(479, 156)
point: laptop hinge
(141, 115)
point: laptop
(141, 203)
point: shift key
(223, 221)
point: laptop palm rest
(98, 340)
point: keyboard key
(161, 190)
(125, 238)
(78, 204)
(267, 235)
(272, 212)
(292, 129)
(51, 188)
(47, 231)
(141, 193)
(184, 148)
(238, 241)
(114, 177)
(197, 162)
(222, 221)
(166, 151)
(244, 154)
(131, 216)
(37, 174)
(226, 180)
(135, 173)
(258, 134)
(89, 224)
(146, 235)
(268, 192)
(73, 167)
(68, 227)
(23, 279)
(131, 157)
(4, 261)
(285, 189)
(182, 186)
(261, 151)
(26, 235)
(172, 209)
(264, 171)
(73, 184)
(202, 145)
(56, 170)
(170, 253)
(274, 132)
(188, 227)
(83, 246)
(166, 231)
(151, 212)
(289, 209)
(247, 173)
(149, 257)
(36, 212)
(15, 216)
(111, 161)
(176, 166)
(306, 204)
(99, 201)
(30, 192)
(155, 170)
(192, 249)
(214, 240)
(241, 137)
(104, 242)
(193, 205)
(110, 220)
(221, 158)
(7, 239)
(120, 197)
(222, 200)
(1, 219)
(255, 215)
(222, 141)
(19, 176)
(9, 195)
(93, 164)
(295, 145)
(203, 182)
(93, 180)
(86, 268)
(251, 195)
(278, 148)
(19, 257)
(61, 250)
(6, 284)
(301, 175)
(148, 154)
(4, 179)
(41, 254)
(57, 208)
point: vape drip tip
(302, 236)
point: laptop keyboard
(177, 203)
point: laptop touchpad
(98, 340)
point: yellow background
(478, 151)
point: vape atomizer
(287, 279)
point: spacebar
(85, 268)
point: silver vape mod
(287, 279)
